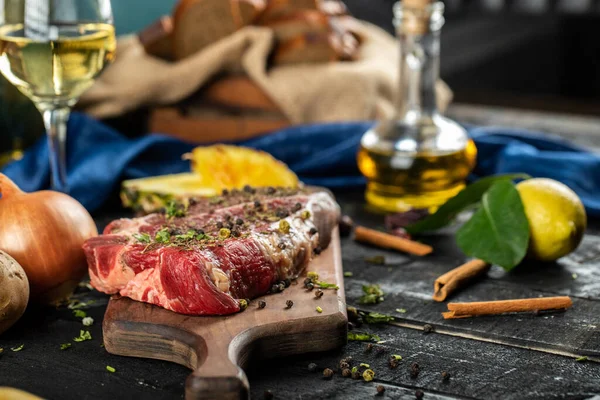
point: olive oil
(418, 158)
(398, 181)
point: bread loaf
(200, 23)
(280, 8)
(299, 23)
(237, 92)
(156, 38)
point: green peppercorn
(243, 303)
(224, 233)
(305, 214)
(284, 226)
(368, 375)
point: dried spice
(414, 370)
(372, 295)
(318, 293)
(369, 347)
(362, 337)
(356, 375)
(380, 350)
(224, 233)
(289, 304)
(377, 318)
(380, 390)
(368, 375)
(328, 373)
(305, 215)
(344, 365)
(393, 363)
(346, 373)
(243, 303)
(345, 226)
(445, 376)
(296, 207)
(262, 304)
(427, 328)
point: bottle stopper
(414, 16)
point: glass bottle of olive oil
(418, 159)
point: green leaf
(65, 346)
(83, 336)
(163, 236)
(79, 313)
(372, 295)
(466, 198)
(18, 348)
(377, 318)
(142, 237)
(498, 232)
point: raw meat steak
(200, 261)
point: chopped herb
(313, 276)
(187, 236)
(396, 357)
(364, 365)
(110, 369)
(19, 348)
(574, 275)
(319, 310)
(325, 285)
(86, 285)
(581, 359)
(87, 321)
(362, 337)
(284, 226)
(76, 304)
(401, 310)
(354, 369)
(368, 375)
(372, 295)
(377, 318)
(348, 274)
(380, 260)
(83, 336)
(142, 237)
(305, 214)
(174, 210)
(79, 313)
(163, 236)
(65, 346)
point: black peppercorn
(229, 225)
(287, 283)
(289, 304)
(445, 376)
(200, 232)
(268, 395)
(369, 347)
(228, 217)
(319, 293)
(307, 281)
(192, 201)
(318, 250)
(235, 232)
(414, 370)
(380, 390)
(419, 394)
(346, 373)
(281, 245)
(256, 204)
(281, 213)
(275, 288)
(393, 363)
(380, 350)
(312, 367)
(219, 225)
(296, 207)
(356, 375)
(225, 192)
(344, 365)
(247, 189)
(239, 221)
(345, 225)
(328, 373)
(310, 286)
(427, 328)
(270, 190)
(262, 304)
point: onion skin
(14, 291)
(44, 231)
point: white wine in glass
(52, 51)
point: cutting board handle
(217, 377)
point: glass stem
(55, 121)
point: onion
(44, 231)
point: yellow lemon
(556, 216)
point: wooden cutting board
(217, 349)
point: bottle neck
(419, 71)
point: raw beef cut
(201, 259)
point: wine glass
(52, 51)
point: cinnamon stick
(465, 310)
(385, 240)
(453, 280)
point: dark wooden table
(500, 357)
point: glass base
(390, 199)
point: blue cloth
(99, 158)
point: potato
(14, 291)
